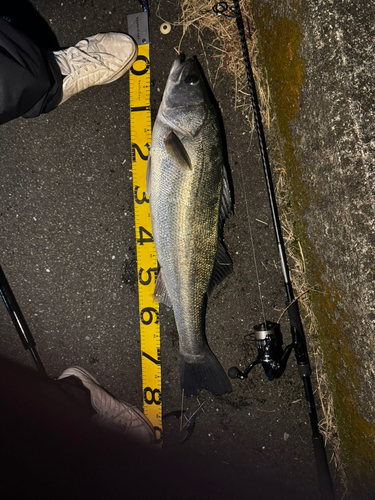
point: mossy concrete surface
(319, 60)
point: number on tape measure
(142, 200)
(155, 396)
(135, 148)
(144, 239)
(149, 272)
(149, 315)
(140, 72)
(156, 361)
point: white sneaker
(96, 60)
(112, 412)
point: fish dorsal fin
(148, 175)
(226, 199)
(222, 268)
(161, 294)
(176, 150)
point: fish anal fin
(176, 150)
(223, 266)
(161, 294)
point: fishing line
(223, 9)
(253, 248)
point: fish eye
(191, 79)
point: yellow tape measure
(140, 133)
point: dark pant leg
(30, 79)
(30, 392)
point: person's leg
(30, 78)
(75, 400)
(33, 81)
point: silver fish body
(189, 200)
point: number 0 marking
(144, 70)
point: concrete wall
(319, 59)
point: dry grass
(225, 46)
(225, 49)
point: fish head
(185, 100)
(185, 86)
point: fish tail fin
(204, 372)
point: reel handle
(234, 372)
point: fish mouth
(180, 58)
(178, 67)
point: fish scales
(185, 183)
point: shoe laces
(74, 59)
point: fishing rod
(19, 322)
(271, 355)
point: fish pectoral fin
(176, 150)
(161, 294)
(222, 268)
(148, 175)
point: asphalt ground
(68, 251)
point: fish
(190, 198)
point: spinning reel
(271, 355)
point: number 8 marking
(153, 400)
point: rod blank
(19, 321)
